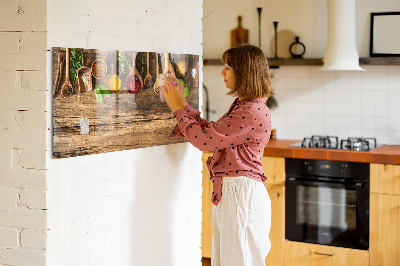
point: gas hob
(332, 142)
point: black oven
(327, 202)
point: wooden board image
(109, 100)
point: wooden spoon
(156, 88)
(84, 77)
(58, 75)
(134, 73)
(113, 80)
(67, 89)
(148, 81)
(99, 67)
(167, 65)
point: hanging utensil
(84, 77)
(67, 89)
(148, 81)
(167, 65)
(276, 38)
(58, 75)
(134, 81)
(168, 71)
(259, 26)
(156, 88)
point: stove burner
(328, 142)
(332, 142)
(358, 144)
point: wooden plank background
(125, 121)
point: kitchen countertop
(389, 154)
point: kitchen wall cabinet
(305, 254)
(385, 215)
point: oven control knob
(308, 166)
(343, 168)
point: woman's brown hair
(250, 66)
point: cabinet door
(304, 254)
(385, 178)
(384, 236)
(206, 232)
(277, 233)
(274, 168)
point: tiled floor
(206, 261)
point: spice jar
(273, 134)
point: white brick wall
(23, 132)
(135, 207)
(107, 209)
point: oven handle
(357, 185)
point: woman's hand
(174, 94)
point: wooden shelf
(274, 63)
(380, 61)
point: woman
(242, 208)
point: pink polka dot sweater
(238, 139)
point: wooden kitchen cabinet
(277, 233)
(274, 168)
(206, 225)
(305, 254)
(385, 178)
(384, 237)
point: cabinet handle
(324, 254)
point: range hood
(341, 51)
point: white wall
(311, 102)
(304, 18)
(343, 104)
(135, 207)
(23, 133)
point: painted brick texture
(91, 202)
(23, 218)
(135, 207)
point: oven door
(327, 213)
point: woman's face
(229, 76)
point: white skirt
(241, 223)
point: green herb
(123, 63)
(186, 91)
(101, 90)
(98, 94)
(142, 70)
(75, 62)
(186, 87)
